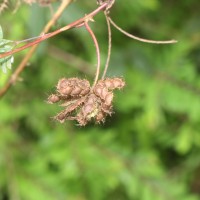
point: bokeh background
(149, 149)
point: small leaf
(6, 63)
(5, 46)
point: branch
(43, 37)
(138, 38)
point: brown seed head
(53, 98)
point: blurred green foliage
(148, 150)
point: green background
(149, 149)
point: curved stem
(97, 52)
(109, 45)
(138, 38)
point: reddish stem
(49, 35)
(97, 52)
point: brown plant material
(3, 5)
(82, 102)
(40, 2)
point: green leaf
(5, 46)
(184, 140)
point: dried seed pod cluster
(82, 102)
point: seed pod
(53, 98)
(85, 91)
(66, 91)
(73, 87)
(64, 87)
(84, 84)
(76, 91)
(92, 99)
(87, 109)
(109, 98)
(118, 83)
(100, 117)
(100, 91)
(60, 117)
(106, 108)
(113, 83)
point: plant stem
(138, 38)
(97, 52)
(49, 35)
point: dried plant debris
(82, 102)
(8, 3)
(40, 2)
(3, 5)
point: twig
(138, 38)
(97, 52)
(3, 5)
(42, 37)
(34, 44)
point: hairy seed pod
(83, 103)
(118, 83)
(114, 83)
(98, 89)
(101, 91)
(87, 108)
(76, 91)
(104, 93)
(66, 90)
(53, 99)
(73, 87)
(108, 83)
(62, 83)
(74, 81)
(85, 91)
(109, 98)
(92, 99)
(106, 109)
(64, 87)
(84, 84)
(60, 117)
(100, 117)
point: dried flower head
(82, 102)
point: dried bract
(82, 102)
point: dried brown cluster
(82, 102)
